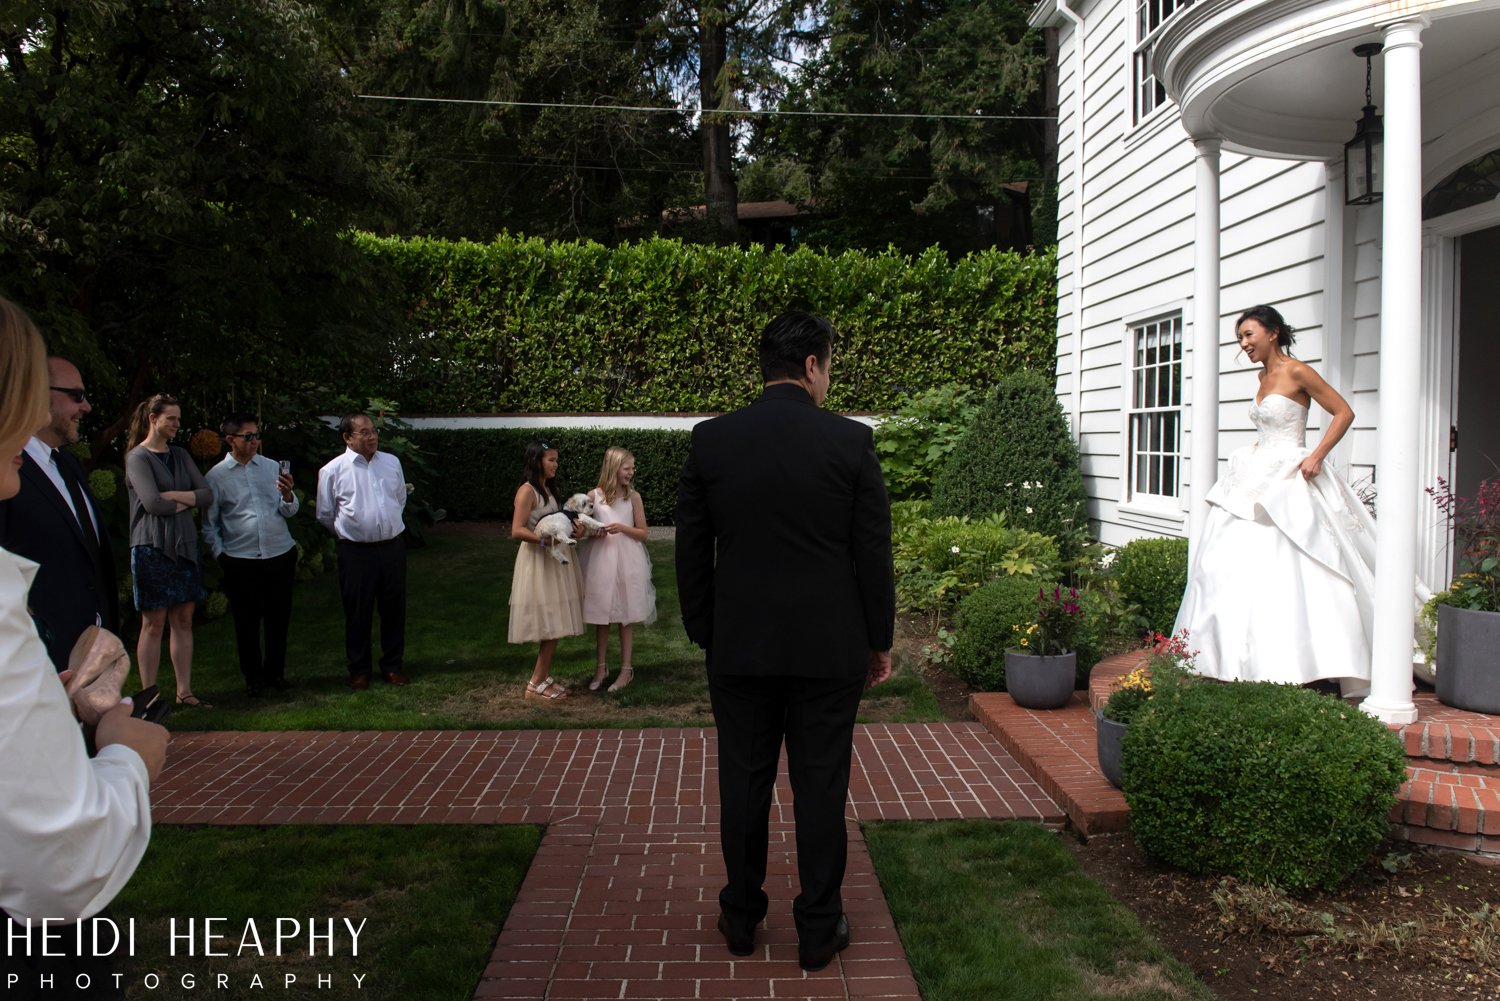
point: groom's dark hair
(789, 339)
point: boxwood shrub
(1019, 458)
(984, 624)
(1153, 574)
(1264, 782)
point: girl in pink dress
(617, 581)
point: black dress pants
(260, 593)
(815, 718)
(372, 575)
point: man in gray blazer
(785, 579)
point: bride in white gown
(1282, 582)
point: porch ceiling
(1280, 78)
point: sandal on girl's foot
(626, 674)
(192, 700)
(600, 674)
(545, 690)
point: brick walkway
(621, 899)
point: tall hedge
(475, 472)
(526, 325)
(1018, 457)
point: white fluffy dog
(558, 526)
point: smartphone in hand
(150, 706)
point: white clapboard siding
(1138, 207)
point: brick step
(1057, 749)
(1448, 809)
(1471, 748)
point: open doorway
(1476, 368)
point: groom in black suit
(56, 522)
(785, 580)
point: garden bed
(1429, 929)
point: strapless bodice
(1280, 420)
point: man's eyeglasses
(73, 393)
(365, 433)
(247, 436)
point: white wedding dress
(1283, 580)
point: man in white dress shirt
(245, 526)
(55, 522)
(361, 496)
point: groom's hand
(880, 667)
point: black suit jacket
(70, 592)
(784, 541)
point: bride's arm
(1338, 408)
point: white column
(1204, 440)
(1400, 377)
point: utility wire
(713, 111)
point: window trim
(1142, 45)
(1131, 499)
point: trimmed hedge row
(476, 471)
(526, 325)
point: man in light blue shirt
(246, 528)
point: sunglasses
(72, 392)
(248, 436)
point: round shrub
(983, 625)
(1018, 457)
(1264, 782)
(1153, 574)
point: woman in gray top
(164, 485)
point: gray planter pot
(1111, 742)
(1040, 682)
(1468, 659)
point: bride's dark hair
(1268, 317)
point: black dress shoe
(252, 690)
(739, 944)
(815, 959)
(280, 684)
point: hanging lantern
(1363, 155)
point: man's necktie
(80, 506)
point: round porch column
(1390, 696)
(1204, 438)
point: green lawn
(992, 911)
(431, 899)
(463, 673)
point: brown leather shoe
(359, 682)
(394, 678)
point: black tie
(80, 506)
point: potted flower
(1170, 661)
(1042, 666)
(1468, 613)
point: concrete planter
(1468, 659)
(1036, 682)
(1111, 741)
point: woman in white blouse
(73, 828)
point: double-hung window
(1148, 92)
(1156, 409)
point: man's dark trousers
(372, 575)
(754, 714)
(260, 591)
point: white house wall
(1138, 206)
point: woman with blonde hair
(73, 828)
(164, 486)
(617, 584)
